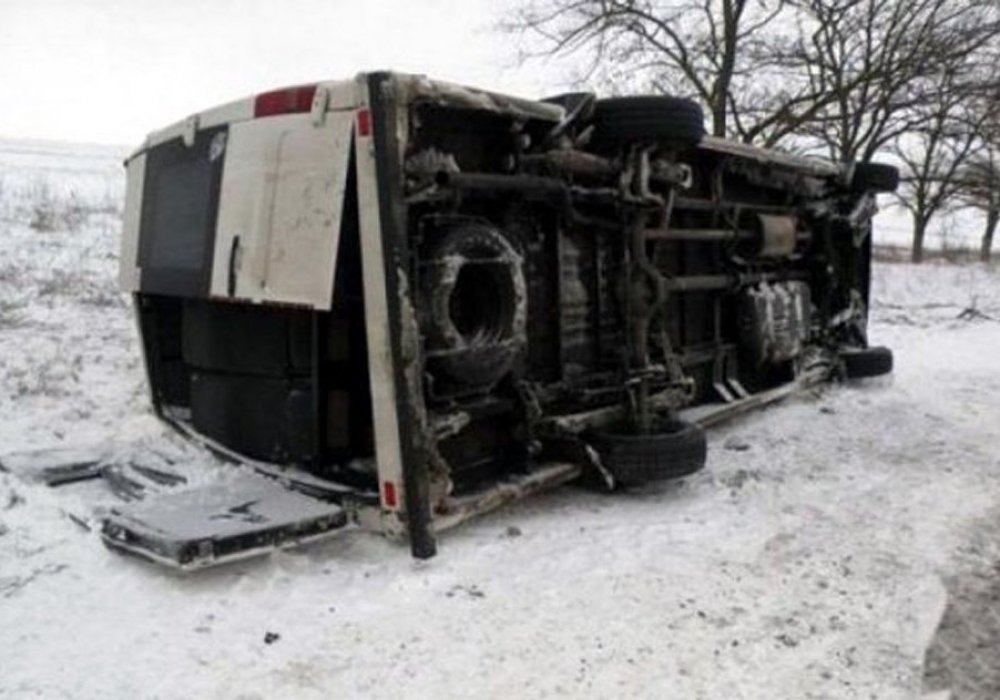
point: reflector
(284, 101)
(389, 494)
(364, 122)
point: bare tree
(979, 178)
(709, 48)
(867, 58)
(979, 189)
(937, 147)
(840, 71)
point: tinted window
(179, 208)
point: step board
(246, 516)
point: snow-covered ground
(810, 560)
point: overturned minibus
(416, 301)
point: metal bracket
(860, 218)
(321, 99)
(190, 130)
(737, 388)
(727, 386)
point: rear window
(179, 209)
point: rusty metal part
(446, 425)
(429, 162)
(633, 181)
(535, 186)
(573, 162)
(815, 167)
(664, 171)
(576, 423)
(700, 204)
(489, 182)
(648, 287)
(705, 235)
(710, 415)
(777, 235)
(707, 283)
(775, 321)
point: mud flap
(221, 522)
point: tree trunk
(731, 13)
(719, 121)
(919, 234)
(992, 219)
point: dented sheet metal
(512, 488)
(282, 197)
(421, 87)
(221, 522)
(816, 167)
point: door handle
(231, 282)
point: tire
(874, 177)
(474, 305)
(866, 362)
(661, 118)
(676, 449)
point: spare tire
(474, 305)
(676, 448)
(874, 177)
(866, 362)
(660, 118)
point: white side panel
(128, 263)
(388, 455)
(343, 94)
(247, 177)
(282, 195)
(308, 202)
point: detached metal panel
(280, 210)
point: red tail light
(364, 122)
(389, 494)
(285, 101)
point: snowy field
(814, 558)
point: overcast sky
(109, 71)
